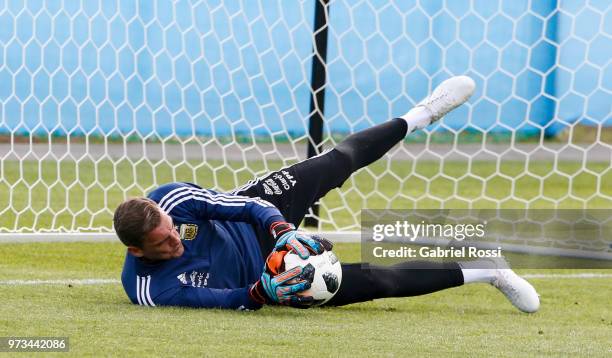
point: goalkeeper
(188, 246)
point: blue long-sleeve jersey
(222, 257)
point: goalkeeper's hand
(282, 288)
(302, 244)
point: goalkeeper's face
(162, 243)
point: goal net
(104, 100)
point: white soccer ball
(327, 275)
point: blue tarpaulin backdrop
(216, 68)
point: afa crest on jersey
(188, 231)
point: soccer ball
(327, 275)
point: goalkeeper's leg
(296, 188)
(364, 283)
(361, 282)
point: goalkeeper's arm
(274, 287)
(204, 297)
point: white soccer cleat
(449, 95)
(518, 291)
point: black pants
(294, 189)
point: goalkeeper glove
(282, 288)
(288, 238)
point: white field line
(568, 275)
(88, 281)
(102, 281)
(6, 238)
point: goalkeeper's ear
(135, 251)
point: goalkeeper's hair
(134, 219)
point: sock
(484, 273)
(418, 117)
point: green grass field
(476, 320)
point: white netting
(104, 100)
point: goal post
(103, 100)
